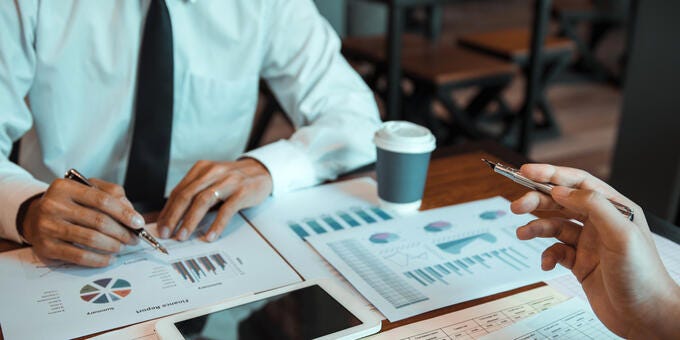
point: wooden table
(458, 175)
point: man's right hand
(614, 259)
(79, 224)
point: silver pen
(545, 188)
(74, 175)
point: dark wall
(647, 159)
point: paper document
(439, 257)
(287, 221)
(477, 321)
(572, 319)
(143, 284)
(670, 256)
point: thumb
(613, 228)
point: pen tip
(163, 250)
(490, 164)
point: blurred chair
(541, 57)
(435, 70)
(602, 16)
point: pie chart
(105, 290)
(382, 238)
(492, 215)
(438, 226)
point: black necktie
(147, 169)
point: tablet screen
(302, 314)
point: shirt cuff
(290, 168)
(14, 194)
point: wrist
(24, 214)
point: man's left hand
(232, 185)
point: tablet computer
(308, 310)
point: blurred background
(580, 83)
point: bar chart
(201, 268)
(372, 270)
(475, 264)
(340, 220)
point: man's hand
(233, 185)
(614, 259)
(79, 224)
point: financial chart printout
(71, 301)
(439, 257)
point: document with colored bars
(71, 301)
(437, 258)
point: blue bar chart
(371, 269)
(477, 264)
(340, 220)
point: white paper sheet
(436, 258)
(287, 221)
(72, 301)
(477, 321)
(670, 256)
(572, 319)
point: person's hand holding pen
(80, 224)
(615, 259)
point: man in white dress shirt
(69, 86)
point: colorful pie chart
(382, 238)
(105, 290)
(438, 226)
(492, 215)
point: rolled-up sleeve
(334, 112)
(17, 66)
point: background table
(458, 175)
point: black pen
(545, 188)
(74, 175)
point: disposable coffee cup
(404, 152)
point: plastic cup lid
(404, 137)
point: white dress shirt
(75, 63)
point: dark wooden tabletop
(456, 175)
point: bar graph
(201, 268)
(340, 220)
(507, 258)
(370, 268)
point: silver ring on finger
(217, 195)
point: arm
(333, 110)
(17, 66)
(68, 214)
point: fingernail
(165, 232)
(138, 222)
(211, 236)
(183, 234)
